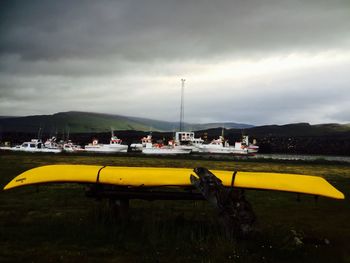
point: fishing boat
(137, 147)
(70, 147)
(244, 147)
(52, 144)
(222, 146)
(216, 146)
(147, 147)
(159, 149)
(115, 145)
(35, 145)
(187, 141)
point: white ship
(147, 147)
(187, 141)
(35, 145)
(115, 145)
(163, 150)
(216, 146)
(222, 146)
(71, 147)
(52, 145)
(137, 147)
(245, 147)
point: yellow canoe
(156, 177)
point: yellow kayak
(157, 177)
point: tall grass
(57, 223)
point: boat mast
(182, 113)
(39, 132)
(67, 133)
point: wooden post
(120, 207)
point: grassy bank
(57, 223)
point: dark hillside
(271, 139)
(87, 122)
(298, 138)
(75, 122)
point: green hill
(74, 122)
(300, 129)
(87, 122)
(296, 138)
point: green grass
(57, 223)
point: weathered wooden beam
(102, 191)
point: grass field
(57, 223)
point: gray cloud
(310, 95)
(142, 30)
(127, 57)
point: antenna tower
(182, 113)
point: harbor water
(302, 157)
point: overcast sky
(257, 62)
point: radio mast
(182, 113)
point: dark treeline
(328, 144)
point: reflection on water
(302, 157)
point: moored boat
(71, 147)
(216, 146)
(115, 145)
(52, 144)
(137, 147)
(35, 145)
(147, 147)
(164, 150)
(221, 146)
(187, 141)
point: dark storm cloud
(117, 56)
(146, 30)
